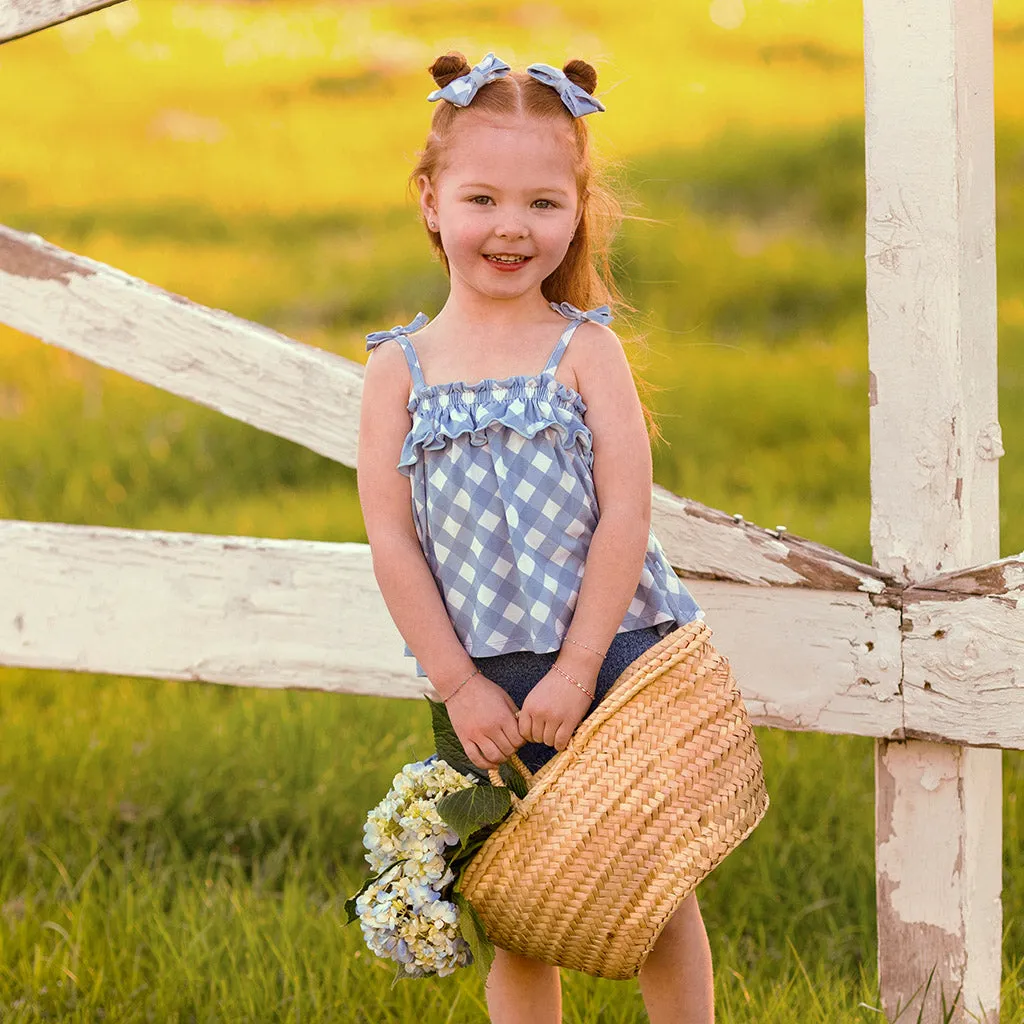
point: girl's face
(505, 203)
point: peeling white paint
(243, 369)
(834, 667)
(935, 442)
(990, 441)
(912, 895)
(705, 542)
(964, 668)
(257, 612)
(21, 17)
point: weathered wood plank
(254, 612)
(930, 253)
(933, 800)
(311, 397)
(965, 658)
(238, 610)
(826, 661)
(1001, 578)
(240, 368)
(19, 18)
(702, 542)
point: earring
(431, 225)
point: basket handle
(516, 762)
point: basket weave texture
(655, 787)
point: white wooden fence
(923, 651)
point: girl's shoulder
(376, 338)
(591, 327)
(389, 371)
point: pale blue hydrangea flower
(402, 915)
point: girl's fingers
(562, 737)
(524, 722)
(504, 744)
(514, 741)
(550, 730)
(537, 727)
(473, 753)
(491, 752)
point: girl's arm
(482, 713)
(622, 480)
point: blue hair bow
(577, 99)
(461, 90)
(374, 339)
(601, 315)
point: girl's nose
(511, 227)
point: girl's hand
(553, 709)
(484, 718)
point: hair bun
(449, 67)
(580, 73)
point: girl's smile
(505, 262)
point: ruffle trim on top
(527, 405)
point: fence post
(930, 254)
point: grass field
(180, 852)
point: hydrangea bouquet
(419, 839)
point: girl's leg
(676, 979)
(521, 990)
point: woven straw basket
(656, 786)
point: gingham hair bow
(577, 99)
(461, 90)
(601, 315)
(374, 339)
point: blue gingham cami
(504, 504)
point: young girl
(505, 466)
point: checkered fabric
(504, 505)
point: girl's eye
(480, 200)
(545, 204)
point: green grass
(181, 852)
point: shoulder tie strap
(400, 334)
(601, 315)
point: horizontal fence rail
(19, 18)
(286, 613)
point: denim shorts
(519, 672)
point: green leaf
(472, 929)
(471, 808)
(511, 777)
(351, 913)
(448, 745)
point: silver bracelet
(445, 700)
(586, 647)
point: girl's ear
(428, 199)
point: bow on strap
(461, 91)
(374, 339)
(601, 315)
(577, 99)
